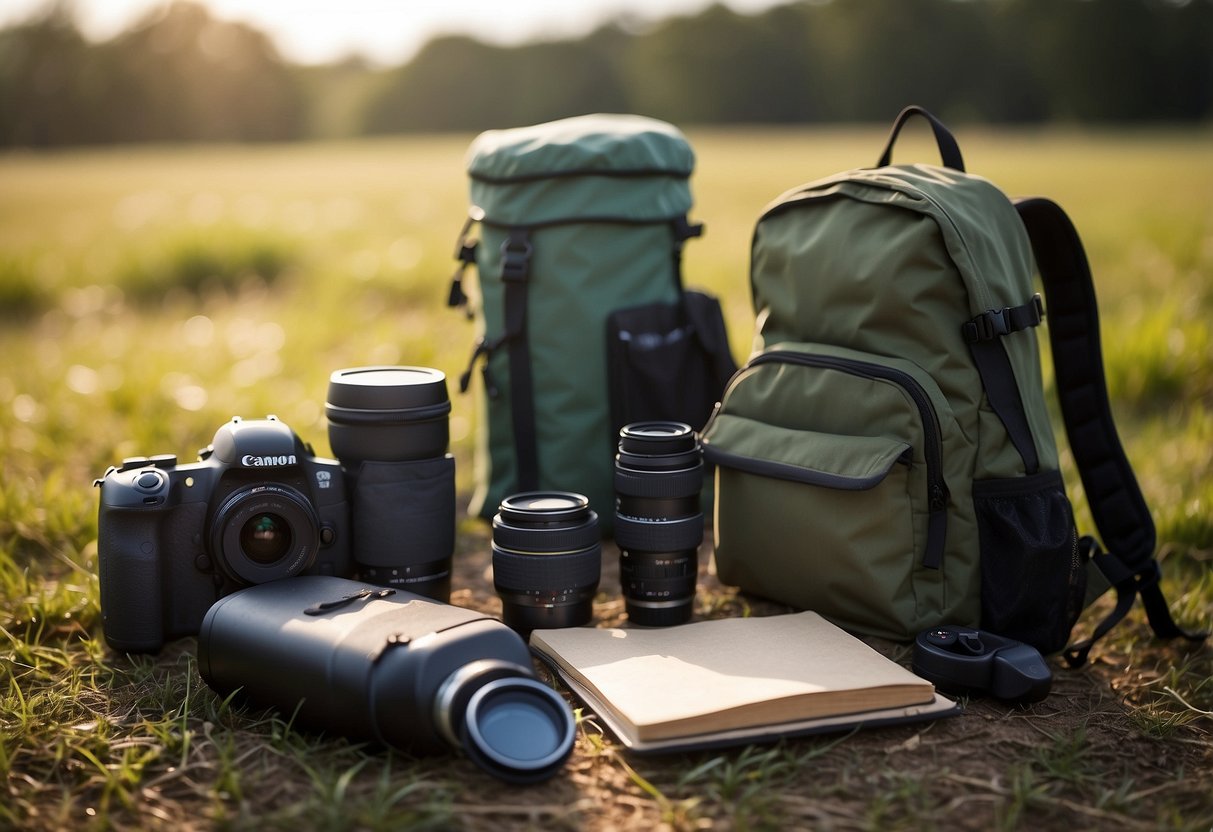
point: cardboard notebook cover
(733, 681)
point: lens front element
(265, 532)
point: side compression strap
(515, 272)
(1116, 502)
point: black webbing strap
(984, 335)
(1002, 391)
(465, 255)
(949, 150)
(683, 230)
(1115, 499)
(515, 272)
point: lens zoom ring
(659, 484)
(521, 571)
(659, 535)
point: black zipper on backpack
(937, 489)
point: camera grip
(129, 565)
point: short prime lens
(658, 522)
(547, 559)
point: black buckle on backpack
(995, 323)
(516, 256)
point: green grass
(148, 295)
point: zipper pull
(939, 497)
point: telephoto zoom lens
(658, 522)
(388, 427)
(547, 560)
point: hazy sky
(386, 30)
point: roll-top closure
(569, 171)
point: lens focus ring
(658, 484)
(525, 571)
(659, 535)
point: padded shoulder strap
(1115, 499)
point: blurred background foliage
(182, 75)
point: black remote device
(962, 660)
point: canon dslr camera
(173, 539)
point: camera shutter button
(149, 480)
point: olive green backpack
(583, 324)
(886, 457)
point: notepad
(734, 680)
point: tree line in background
(181, 75)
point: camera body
(173, 539)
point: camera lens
(389, 428)
(506, 721)
(658, 523)
(265, 538)
(265, 532)
(547, 559)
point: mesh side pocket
(1033, 575)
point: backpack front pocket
(831, 492)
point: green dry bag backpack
(582, 321)
(886, 457)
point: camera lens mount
(265, 532)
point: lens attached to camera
(265, 532)
(547, 559)
(389, 428)
(658, 522)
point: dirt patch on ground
(1083, 758)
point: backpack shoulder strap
(1115, 499)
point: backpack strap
(515, 272)
(1115, 499)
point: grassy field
(147, 295)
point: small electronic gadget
(962, 660)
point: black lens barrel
(658, 522)
(389, 427)
(547, 559)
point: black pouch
(668, 361)
(404, 524)
(1033, 570)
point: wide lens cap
(518, 730)
(391, 414)
(381, 395)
